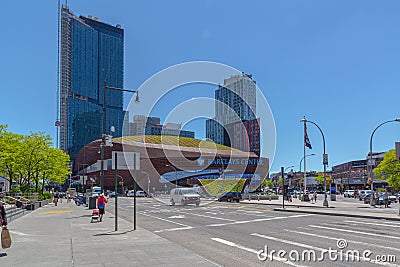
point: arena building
(166, 162)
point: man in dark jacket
(3, 217)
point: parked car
(111, 194)
(184, 196)
(230, 197)
(363, 193)
(349, 193)
(393, 198)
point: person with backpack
(101, 205)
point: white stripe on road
(378, 224)
(174, 229)
(231, 244)
(334, 238)
(206, 216)
(323, 250)
(162, 219)
(258, 220)
(354, 232)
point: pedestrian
(376, 198)
(386, 199)
(56, 197)
(315, 196)
(3, 216)
(101, 205)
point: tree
(389, 169)
(267, 183)
(320, 179)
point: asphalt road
(233, 234)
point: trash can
(92, 203)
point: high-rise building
(235, 123)
(91, 53)
(137, 127)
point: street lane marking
(324, 250)
(206, 216)
(231, 244)
(162, 219)
(351, 241)
(378, 224)
(258, 220)
(177, 217)
(56, 211)
(353, 231)
(174, 229)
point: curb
(289, 205)
(340, 214)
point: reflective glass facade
(91, 52)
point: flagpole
(305, 170)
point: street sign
(325, 159)
(125, 160)
(371, 162)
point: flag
(306, 140)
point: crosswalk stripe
(378, 224)
(231, 244)
(324, 250)
(334, 238)
(353, 231)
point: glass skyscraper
(91, 52)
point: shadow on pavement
(114, 233)
(3, 254)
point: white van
(184, 196)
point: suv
(230, 197)
(348, 193)
(184, 196)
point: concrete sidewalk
(336, 208)
(64, 236)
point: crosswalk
(228, 228)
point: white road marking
(162, 219)
(258, 220)
(177, 217)
(206, 216)
(324, 250)
(378, 224)
(174, 229)
(350, 241)
(353, 231)
(231, 244)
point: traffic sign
(325, 159)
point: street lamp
(103, 122)
(148, 184)
(305, 173)
(370, 163)
(176, 175)
(324, 158)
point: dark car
(230, 197)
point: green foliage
(280, 181)
(215, 187)
(30, 159)
(267, 183)
(15, 189)
(45, 195)
(389, 169)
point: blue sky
(336, 62)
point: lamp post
(176, 175)
(222, 174)
(370, 163)
(304, 171)
(324, 158)
(148, 184)
(103, 123)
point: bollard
(258, 197)
(249, 197)
(269, 198)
